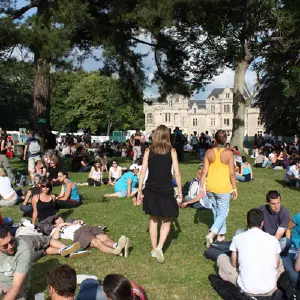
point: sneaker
(153, 253)
(103, 227)
(80, 253)
(126, 248)
(209, 240)
(70, 249)
(159, 255)
(121, 245)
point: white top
(257, 252)
(65, 151)
(67, 232)
(115, 174)
(292, 171)
(6, 189)
(96, 175)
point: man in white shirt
(255, 263)
(292, 174)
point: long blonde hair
(161, 140)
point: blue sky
(223, 80)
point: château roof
(200, 103)
(216, 92)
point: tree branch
(15, 14)
(143, 42)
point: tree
(97, 102)
(16, 85)
(62, 82)
(279, 95)
(246, 28)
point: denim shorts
(123, 194)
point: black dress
(45, 209)
(159, 200)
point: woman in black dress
(43, 204)
(158, 195)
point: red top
(1, 221)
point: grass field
(185, 271)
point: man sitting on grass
(276, 219)
(61, 282)
(87, 236)
(17, 255)
(255, 263)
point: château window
(176, 119)
(213, 122)
(227, 108)
(195, 110)
(212, 109)
(226, 122)
(259, 122)
(150, 118)
(167, 117)
(195, 122)
(227, 95)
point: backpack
(185, 188)
(216, 249)
(34, 147)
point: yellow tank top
(218, 180)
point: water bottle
(293, 252)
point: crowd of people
(270, 243)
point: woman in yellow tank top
(219, 174)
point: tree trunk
(239, 104)
(41, 96)
(109, 124)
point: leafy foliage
(279, 96)
(92, 101)
(16, 86)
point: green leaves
(92, 101)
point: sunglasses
(11, 242)
(44, 186)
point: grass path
(185, 271)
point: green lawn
(185, 271)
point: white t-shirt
(65, 151)
(292, 171)
(257, 252)
(96, 175)
(6, 189)
(116, 174)
(67, 232)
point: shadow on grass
(284, 184)
(66, 214)
(204, 216)
(173, 234)
(38, 283)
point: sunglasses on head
(5, 246)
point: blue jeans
(85, 169)
(202, 153)
(90, 289)
(240, 178)
(288, 264)
(8, 221)
(267, 163)
(27, 209)
(220, 208)
(194, 205)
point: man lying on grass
(87, 236)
